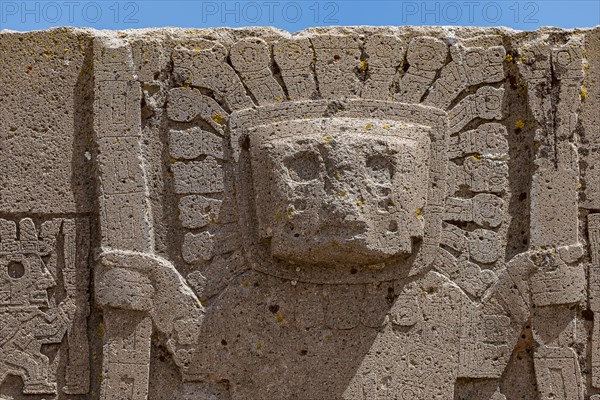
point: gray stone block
(342, 213)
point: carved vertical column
(124, 220)
(554, 186)
(594, 293)
(559, 279)
(76, 275)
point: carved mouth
(39, 297)
(344, 230)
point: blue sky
(294, 15)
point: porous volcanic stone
(350, 213)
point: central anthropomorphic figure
(351, 193)
(345, 227)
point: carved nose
(345, 211)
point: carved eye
(380, 168)
(249, 54)
(293, 51)
(563, 57)
(473, 59)
(426, 53)
(15, 269)
(492, 102)
(496, 179)
(303, 166)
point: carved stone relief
(342, 213)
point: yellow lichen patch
(101, 330)
(368, 127)
(360, 202)
(258, 346)
(386, 126)
(172, 160)
(419, 212)
(218, 118)
(47, 53)
(289, 213)
(364, 65)
(583, 93)
(520, 124)
(279, 99)
(579, 186)
(537, 145)
(523, 59)
(342, 194)
(532, 124)
(193, 31)
(327, 139)
(245, 284)
(509, 58)
(476, 156)
(278, 215)
(280, 318)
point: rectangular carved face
(340, 190)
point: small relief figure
(31, 314)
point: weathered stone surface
(343, 213)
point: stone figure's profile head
(340, 190)
(24, 277)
